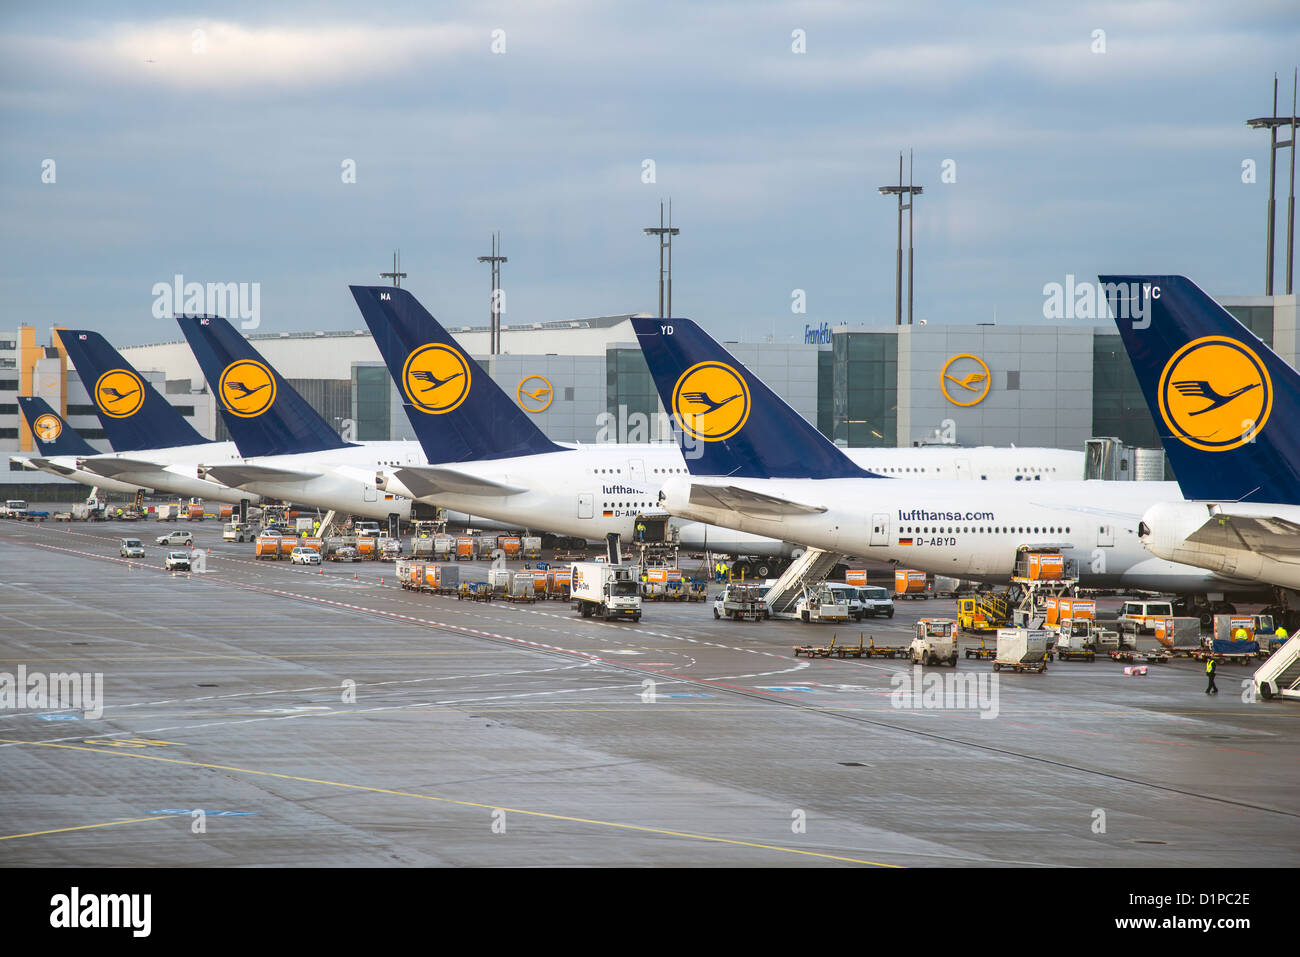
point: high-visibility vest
(1210, 666)
(1240, 634)
(1281, 633)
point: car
(178, 537)
(177, 561)
(876, 601)
(304, 556)
(131, 548)
(345, 553)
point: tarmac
(317, 717)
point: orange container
(855, 576)
(315, 543)
(511, 547)
(1046, 568)
(225, 512)
(194, 512)
(464, 548)
(908, 581)
(539, 581)
(267, 547)
(287, 545)
(366, 546)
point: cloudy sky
(219, 154)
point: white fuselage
(590, 491)
(966, 530)
(1272, 558)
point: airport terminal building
(1048, 383)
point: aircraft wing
(236, 475)
(44, 465)
(1270, 536)
(748, 501)
(429, 480)
(110, 467)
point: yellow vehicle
(983, 613)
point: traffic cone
(354, 576)
(381, 579)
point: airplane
(287, 450)
(494, 461)
(758, 466)
(59, 446)
(1237, 459)
(153, 445)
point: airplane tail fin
(459, 414)
(727, 420)
(133, 414)
(263, 413)
(51, 431)
(1227, 408)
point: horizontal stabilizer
(111, 466)
(45, 465)
(429, 481)
(1269, 536)
(748, 501)
(237, 475)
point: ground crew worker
(1280, 634)
(1210, 667)
(640, 531)
(1240, 634)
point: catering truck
(607, 591)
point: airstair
(809, 569)
(326, 525)
(1279, 676)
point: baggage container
(484, 546)
(499, 581)
(464, 549)
(225, 512)
(558, 584)
(410, 575)
(441, 579)
(539, 582)
(521, 587)
(194, 512)
(1022, 649)
(512, 547)
(1179, 634)
(532, 546)
(1065, 607)
(909, 583)
(444, 547)
(421, 546)
(287, 545)
(317, 544)
(367, 547)
(1045, 567)
(267, 546)
(855, 576)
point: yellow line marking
(443, 800)
(83, 827)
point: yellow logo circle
(119, 393)
(47, 427)
(972, 385)
(436, 378)
(247, 388)
(711, 401)
(539, 397)
(1215, 394)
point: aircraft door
(586, 504)
(1106, 536)
(880, 529)
(636, 470)
(368, 493)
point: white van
(1139, 617)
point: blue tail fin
(264, 414)
(459, 414)
(1227, 408)
(51, 431)
(134, 416)
(727, 420)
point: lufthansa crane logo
(968, 377)
(247, 388)
(535, 393)
(436, 378)
(1215, 394)
(711, 401)
(47, 427)
(119, 393)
